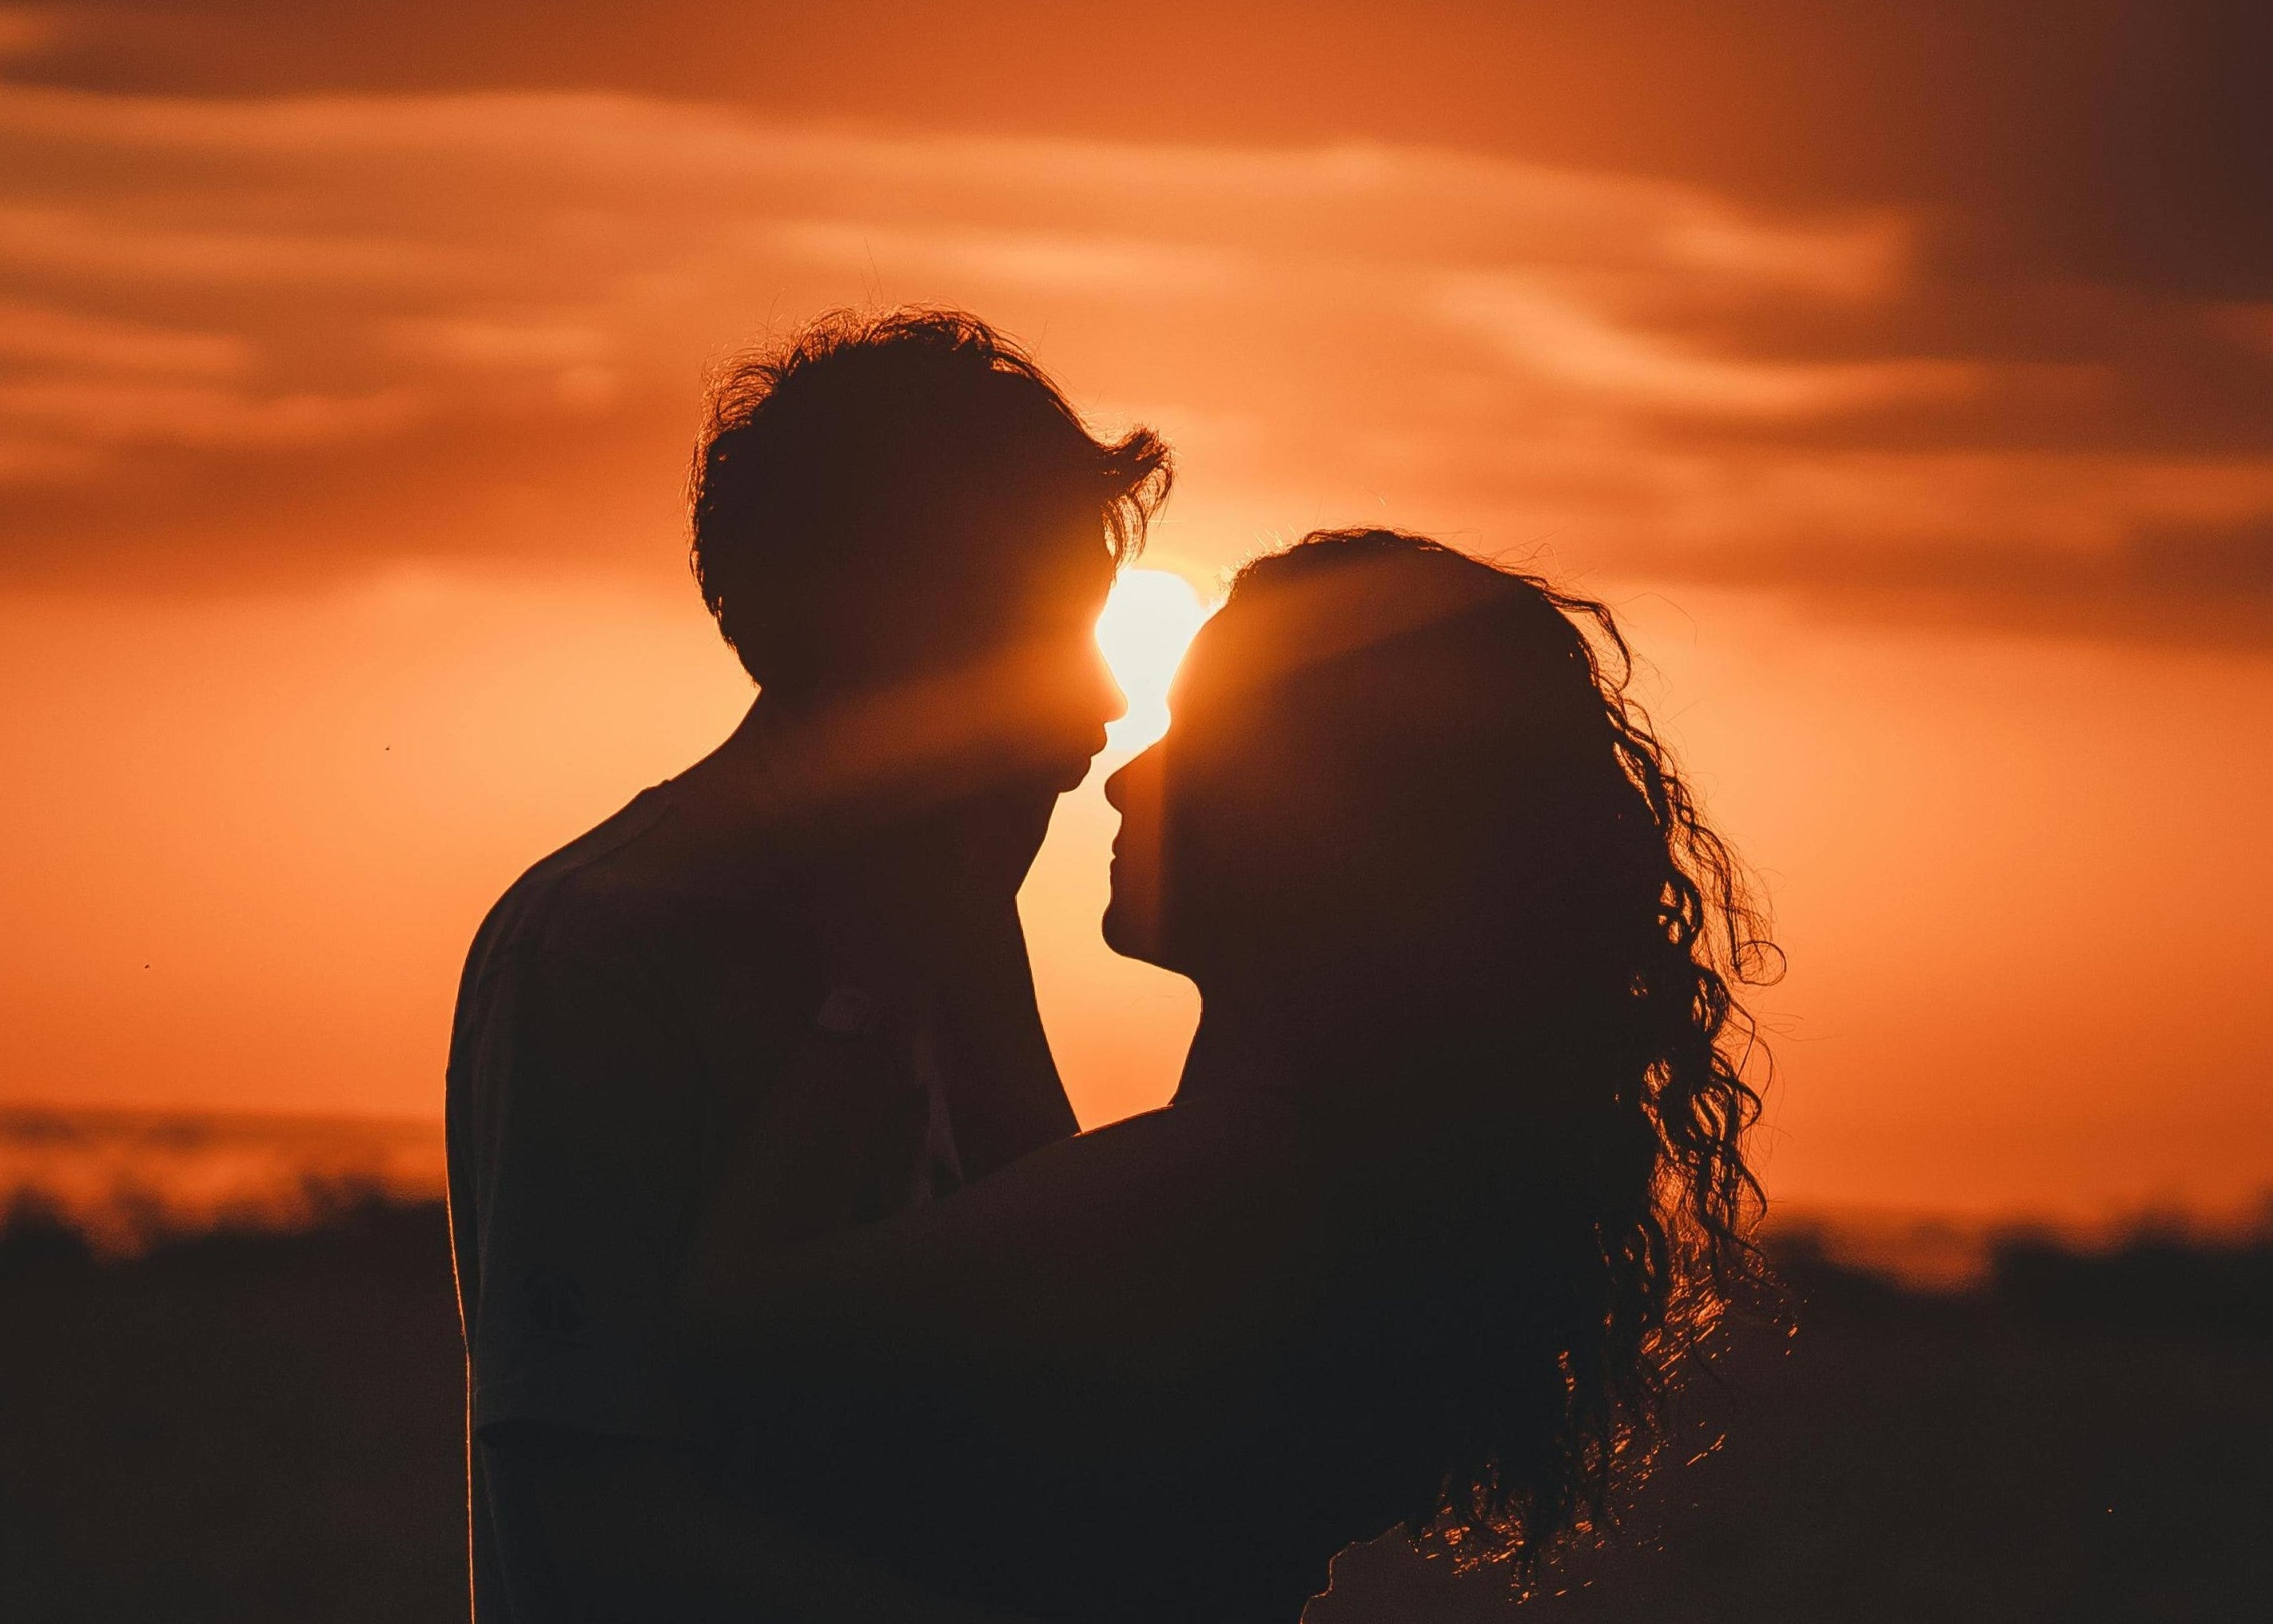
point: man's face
(1033, 704)
(1036, 688)
(984, 696)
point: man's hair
(874, 465)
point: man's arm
(632, 1530)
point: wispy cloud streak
(399, 305)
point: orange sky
(1908, 390)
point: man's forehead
(1071, 559)
(1014, 597)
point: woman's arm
(1113, 1245)
(1024, 1389)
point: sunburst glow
(1148, 622)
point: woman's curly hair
(1657, 905)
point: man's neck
(788, 771)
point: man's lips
(1075, 769)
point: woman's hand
(832, 1146)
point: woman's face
(1380, 795)
(1333, 805)
(1137, 917)
(1222, 820)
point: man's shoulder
(589, 896)
(620, 897)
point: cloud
(34, 336)
(1042, 259)
(315, 331)
(91, 247)
(489, 344)
(1537, 329)
(142, 412)
(27, 31)
(2208, 584)
(2110, 141)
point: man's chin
(1047, 777)
(1004, 827)
(1067, 773)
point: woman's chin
(1130, 931)
(1115, 930)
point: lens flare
(1148, 622)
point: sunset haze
(1902, 374)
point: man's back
(906, 534)
(626, 1010)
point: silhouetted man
(809, 936)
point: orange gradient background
(1907, 386)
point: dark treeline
(2157, 1276)
(251, 1423)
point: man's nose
(1109, 690)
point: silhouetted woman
(1452, 1182)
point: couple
(791, 1292)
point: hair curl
(1542, 1454)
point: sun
(1148, 622)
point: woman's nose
(1114, 786)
